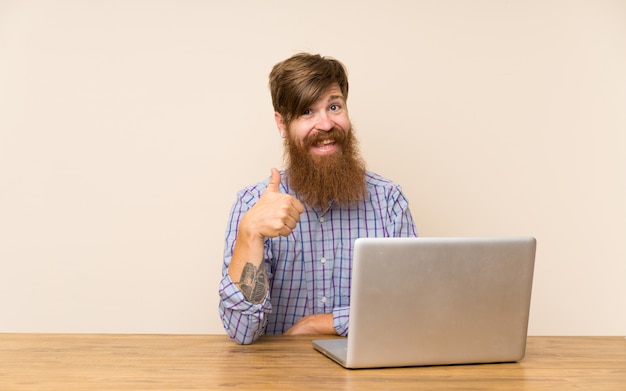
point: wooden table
(183, 362)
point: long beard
(320, 180)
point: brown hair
(299, 81)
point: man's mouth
(325, 145)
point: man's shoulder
(373, 179)
(261, 185)
(254, 190)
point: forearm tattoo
(253, 283)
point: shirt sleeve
(401, 222)
(243, 321)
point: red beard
(320, 180)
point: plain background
(126, 128)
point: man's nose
(324, 122)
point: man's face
(324, 164)
(319, 126)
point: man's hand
(313, 324)
(275, 214)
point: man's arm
(312, 324)
(243, 308)
(253, 283)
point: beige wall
(126, 127)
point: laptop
(436, 301)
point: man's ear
(280, 123)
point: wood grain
(186, 362)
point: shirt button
(323, 260)
(324, 300)
(321, 219)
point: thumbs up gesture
(275, 214)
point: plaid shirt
(309, 270)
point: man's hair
(299, 81)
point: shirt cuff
(233, 299)
(340, 320)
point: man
(289, 240)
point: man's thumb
(274, 181)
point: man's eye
(335, 107)
(306, 112)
